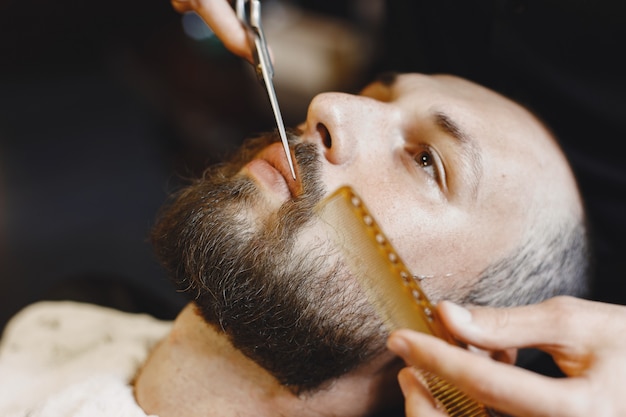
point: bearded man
(470, 188)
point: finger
(418, 401)
(502, 387)
(221, 18)
(182, 6)
(551, 324)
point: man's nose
(344, 124)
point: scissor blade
(279, 122)
(269, 86)
(263, 64)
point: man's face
(452, 172)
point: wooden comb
(391, 288)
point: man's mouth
(270, 169)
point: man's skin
(456, 175)
(220, 16)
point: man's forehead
(444, 82)
(383, 84)
(468, 107)
(389, 86)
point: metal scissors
(251, 20)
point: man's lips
(271, 168)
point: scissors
(251, 20)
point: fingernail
(407, 380)
(459, 314)
(462, 318)
(404, 381)
(398, 345)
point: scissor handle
(249, 13)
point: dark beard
(293, 313)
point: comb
(391, 288)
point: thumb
(221, 18)
(502, 328)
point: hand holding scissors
(242, 34)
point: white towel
(73, 359)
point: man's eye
(426, 161)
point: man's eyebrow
(470, 154)
(449, 126)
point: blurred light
(196, 28)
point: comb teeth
(451, 399)
(391, 288)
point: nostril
(325, 135)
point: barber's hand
(222, 19)
(586, 339)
